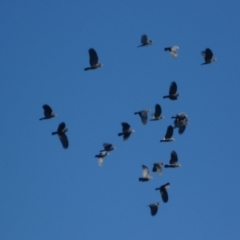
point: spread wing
(153, 208)
(208, 54)
(145, 171)
(144, 116)
(174, 158)
(144, 39)
(174, 50)
(158, 111)
(93, 57)
(157, 168)
(164, 193)
(64, 140)
(169, 132)
(173, 88)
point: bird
(143, 115)
(157, 115)
(173, 163)
(173, 50)
(48, 113)
(168, 135)
(108, 147)
(163, 192)
(157, 167)
(181, 122)
(146, 174)
(101, 157)
(61, 134)
(154, 208)
(208, 56)
(173, 95)
(145, 41)
(93, 60)
(126, 131)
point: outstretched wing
(173, 88)
(158, 111)
(64, 140)
(144, 39)
(174, 158)
(208, 54)
(144, 116)
(174, 50)
(93, 57)
(169, 132)
(164, 193)
(145, 171)
(154, 208)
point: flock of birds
(180, 122)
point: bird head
(54, 114)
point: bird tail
(165, 96)
(88, 68)
(166, 166)
(167, 49)
(41, 119)
(120, 134)
(157, 188)
(136, 113)
(54, 133)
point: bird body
(154, 208)
(173, 95)
(48, 113)
(157, 167)
(181, 122)
(208, 56)
(173, 50)
(143, 115)
(61, 134)
(168, 135)
(146, 174)
(163, 192)
(173, 163)
(93, 60)
(145, 41)
(108, 147)
(157, 115)
(101, 157)
(126, 131)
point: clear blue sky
(47, 192)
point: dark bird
(173, 95)
(143, 115)
(157, 167)
(208, 56)
(61, 134)
(163, 192)
(101, 157)
(145, 41)
(168, 135)
(126, 131)
(146, 174)
(157, 115)
(181, 122)
(173, 50)
(173, 163)
(154, 208)
(93, 60)
(108, 147)
(48, 113)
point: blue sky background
(51, 193)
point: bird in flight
(93, 60)
(173, 50)
(146, 174)
(173, 163)
(48, 113)
(126, 131)
(163, 192)
(168, 136)
(143, 115)
(157, 115)
(154, 208)
(61, 134)
(173, 95)
(101, 157)
(145, 41)
(208, 56)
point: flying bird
(108, 147)
(181, 122)
(163, 192)
(157, 115)
(208, 56)
(143, 115)
(48, 113)
(154, 208)
(101, 157)
(173, 50)
(61, 134)
(126, 131)
(173, 163)
(168, 135)
(173, 95)
(145, 41)
(157, 167)
(146, 174)
(93, 60)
